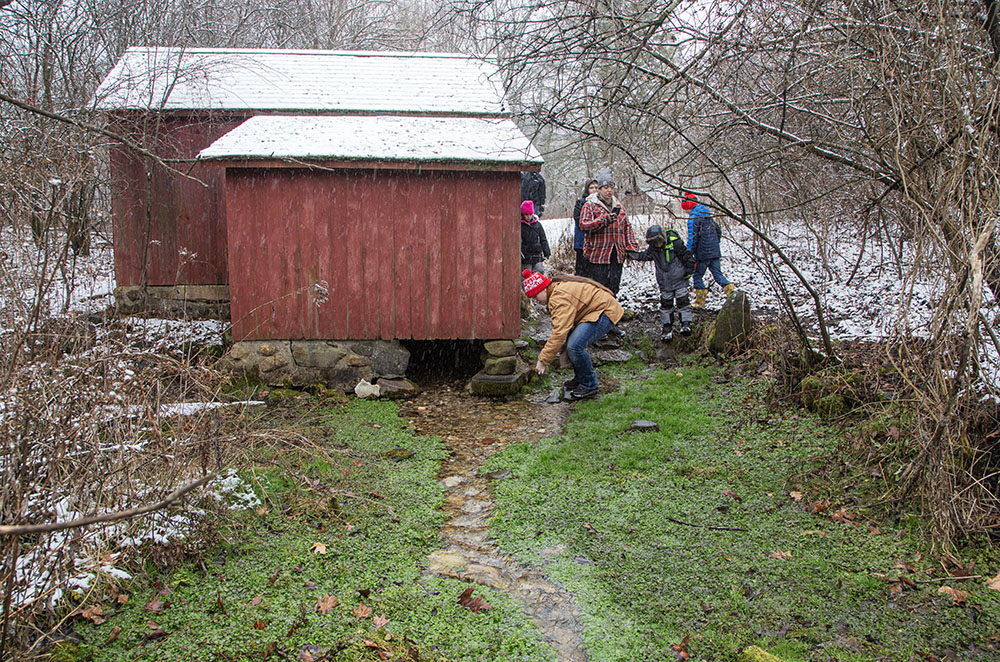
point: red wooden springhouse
(350, 195)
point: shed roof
(374, 138)
(301, 80)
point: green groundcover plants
(696, 539)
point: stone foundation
(339, 364)
(503, 372)
(186, 301)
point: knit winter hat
(604, 178)
(527, 207)
(534, 282)
(689, 202)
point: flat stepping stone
(643, 426)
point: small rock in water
(554, 397)
(644, 426)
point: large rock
(612, 355)
(313, 354)
(184, 301)
(388, 358)
(332, 363)
(504, 365)
(500, 385)
(500, 347)
(397, 388)
(733, 326)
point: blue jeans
(576, 346)
(715, 266)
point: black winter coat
(534, 243)
(674, 262)
(533, 188)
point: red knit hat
(689, 202)
(534, 282)
(528, 207)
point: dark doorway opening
(443, 360)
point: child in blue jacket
(704, 235)
(674, 265)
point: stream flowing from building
(474, 429)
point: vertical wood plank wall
(405, 254)
(184, 214)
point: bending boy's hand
(539, 368)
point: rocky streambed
(474, 429)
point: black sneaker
(583, 393)
(571, 384)
(668, 333)
(685, 330)
(615, 332)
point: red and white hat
(534, 282)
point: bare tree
(863, 119)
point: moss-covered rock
(756, 654)
(831, 392)
(811, 390)
(831, 406)
(733, 326)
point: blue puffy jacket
(703, 234)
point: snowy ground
(868, 306)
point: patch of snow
(192, 408)
(304, 80)
(375, 138)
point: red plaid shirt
(602, 231)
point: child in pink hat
(534, 243)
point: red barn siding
(184, 214)
(405, 253)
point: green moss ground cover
(359, 486)
(803, 585)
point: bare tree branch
(18, 530)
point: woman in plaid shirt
(607, 234)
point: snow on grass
(864, 296)
(97, 551)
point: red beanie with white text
(534, 282)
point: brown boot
(729, 289)
(700, 298)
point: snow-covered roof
(379, 138)
(301, 81)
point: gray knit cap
(604, 178)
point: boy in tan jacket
(582, 311)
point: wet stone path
(473, 430)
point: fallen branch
(8, 530)
(708, 526)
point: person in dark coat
(704, 236)
(533, 188)
(674, 265)
(582, 263)
(534, 243)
